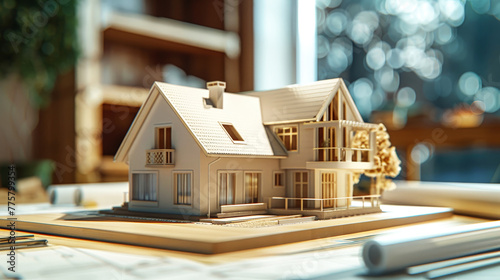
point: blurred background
(73, 73)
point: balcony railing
(342, 154)
(159, 157)
(367, 201)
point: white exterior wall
(266, 166)
(186, 157)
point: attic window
(232, 132)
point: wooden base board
(213, 239)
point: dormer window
(232, 132)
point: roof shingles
(242, 111)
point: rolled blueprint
(474, 199)
(62, 194)
(394, 252)
(98, 194)
(102, 194)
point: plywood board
(212, 239)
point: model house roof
(301, 103)
(212, 128)
(227, 124)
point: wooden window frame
(167, 137)
(282, 132)
(282, 176)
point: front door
(300, 186)
(227, 188)
(329, 188)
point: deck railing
(160, 157)
(373, 200)
(342, 154)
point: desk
(294, 260)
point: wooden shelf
(124, 53)
(113, 171)
(168, 34)
(486, 134)
(123, 95)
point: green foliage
(38, 42)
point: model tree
(387, 163)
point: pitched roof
(248, 113)
(300, 103)
(205, 122)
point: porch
(325, 208)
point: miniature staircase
(239, 210)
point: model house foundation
(205, 152)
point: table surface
(307, 259)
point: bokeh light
(401, 51)
(406, 97)
(490, 96)
(469, 83)
(421, 153)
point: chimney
(215, 93)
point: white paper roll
(465, 198)
(394, 252)
(62, 194)
(102, 194)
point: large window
(252, 183)
(289, 137)
(144, 187)
(182, 186)
(227, 187)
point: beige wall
(265, 166)
(187, 158)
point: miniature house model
(195, 151)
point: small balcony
(160, 157)
(343, 158)
(343, 154)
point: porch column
(373, 145)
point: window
(163, 138)
(232, 132)
(279, 179)
(227, 187)
(144, 187)
(252, 183)
(182, 187)
(288, 136)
